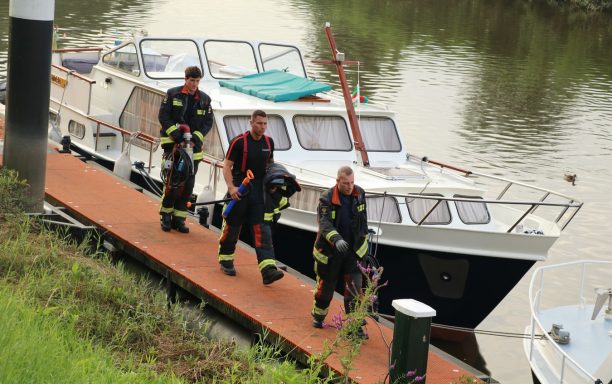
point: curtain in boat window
(141, 115)
(306, 200)
(277, 130)
(379, 134)
(383, 208)
(472, 212)
(322, 133)
(418, 208)
(212, 143)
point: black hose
(179, 172)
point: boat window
(124, 59)
(168, 58)
(419, 206)
(277, 130)
(472, 212)
(282, 57)
(140, 114)
(212, 143)
(76, 129)
(306, 200)
(322, 133)
(230, 59)
(379, 134)
(383, 208)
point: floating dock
(129, 219)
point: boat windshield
(283, 58)
(230, 59)
(168, 58)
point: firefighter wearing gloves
(184, 112)
(341, 243)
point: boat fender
(54, 133)
(204, 212)
(123, 165)
(206, 195)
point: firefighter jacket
(279, 186)
(327, 217)
(173, 112)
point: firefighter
(185, 110)
(280, 185)
(342, 241)
(253, 151)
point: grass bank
(69, 313)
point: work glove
(342, 246)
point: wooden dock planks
(282, 308)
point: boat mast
(338, 60)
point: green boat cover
(275, 85)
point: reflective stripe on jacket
(327, 218)
(172, 112)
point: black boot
(227, 267)
(317, 321)
(178, 223)
(166, 222)
(271, 274)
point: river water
(513, 88)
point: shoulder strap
(269, 147)
(244, 151)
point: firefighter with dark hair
(186, 117)
(342, 241)
(251, 151)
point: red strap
(244, 149)
(269, 147)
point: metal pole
(411, 334)
(27, 96)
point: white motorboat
(571, 323)
(454, 239)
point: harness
(245, 149)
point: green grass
(38, 348)
(70, 315)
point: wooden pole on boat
(27, 95)
(338, 59)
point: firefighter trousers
(338, 267)
(175, 199)
(250, 211)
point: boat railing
(535, 297)
(152, 141)
(569, 209)
(530, 205)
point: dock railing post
(411, 335)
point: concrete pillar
(410, 340)
(27, 95)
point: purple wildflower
(410, 373)
(337, 321)
(419, 378)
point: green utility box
(410, 340)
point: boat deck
(590, 342)
(97, 197)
